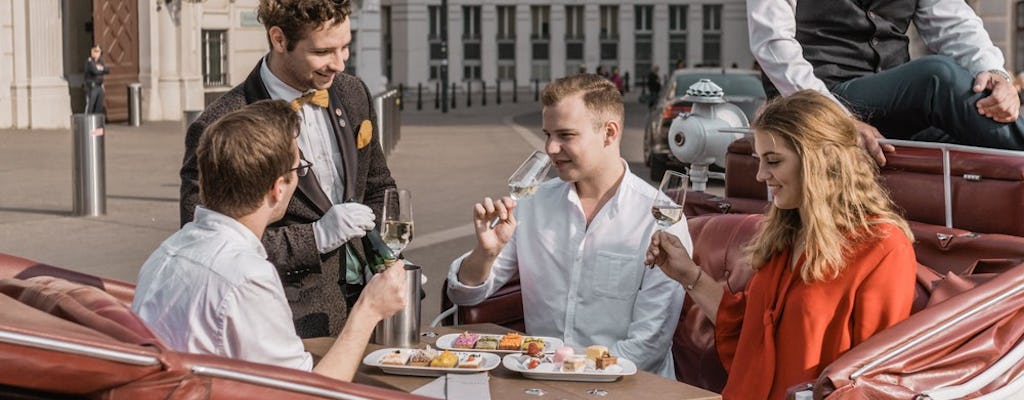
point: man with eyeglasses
(317, 245)
(209, 288)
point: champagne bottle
(378, 254)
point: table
(508, 385)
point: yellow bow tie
(316, 98)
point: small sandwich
(537, 347)
(511, 341)
(445, 360)
(596, 351)
(605, 361)
(466, 340)
(487, 343)
(471, 361)
(395, 358)
(421, 358)
(574, 364)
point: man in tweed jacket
(316, 247)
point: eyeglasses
(303, 167)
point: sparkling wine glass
(523, 183)
(398, 227)
(668, 206)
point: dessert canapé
(466, 340)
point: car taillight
(672, 110)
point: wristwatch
(1002, 74)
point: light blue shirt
(588, 285)
(209, 289)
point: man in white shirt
(209, 287)
(856, 52)
(578, 243)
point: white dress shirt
(589, 285)
(317, 141)
(209, 289)
(948, 27)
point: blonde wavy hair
(841, 193)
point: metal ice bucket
(403, 328)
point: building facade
(186, 52)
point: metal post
(419, 96)
(536, 90)
(88, 169)
(498, 91)
(437, 95)
(401, 97)
(483, 93)
(444, 59)
(515, 90)
(469, 93)
(453, 95)
(135, 104)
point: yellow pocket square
(365, 134)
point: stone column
(524, 60)
(49, 106)
(591, 36)
(409, 44)
(695, 35)
(627, 41)
(489, 43)
(659, 40)
(371, 67)
(7, 62)
(169, 75)
(455, 47)
(190, 60)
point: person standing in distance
(95, 69)
(316, 246)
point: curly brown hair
(297, 18)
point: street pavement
(449, 162)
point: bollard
(625, 78)
(419, 96)
(88, 169)
(401, 97)
(453, 96)
(536, 90)
(190, 116)
(469, 93)
(515, 90)
(483, 93)
(135, 104)
(437, 95)
(498, 91)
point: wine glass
(523, 182)
(668, 206)
(398, 227)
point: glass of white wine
(668, 206)
(398, 227)
(524, 181)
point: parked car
(742, 87)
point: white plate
(488, 362)
(448, 342)
(552, 372)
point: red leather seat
(504, 307)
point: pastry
(606, 361)
(574, 364)
(422, 358)
(487, 343)
(532, 340)
(533, 363)
(511, 341)
(466, 340)
(533, 349)
(471, 361)
(447, 359)
(395, 358)
(562, 353)
(596, 351)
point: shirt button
(871, 15)
(874, 41)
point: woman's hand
(668, 253)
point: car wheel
(658, 166)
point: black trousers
(929, 92)
(94, 99)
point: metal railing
(389, 119)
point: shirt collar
(277, 89)
(232, 230)
(614, 203)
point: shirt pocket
(616, 276)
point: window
(540, 17)
(712, 46)
(471, 43)
(385, 30)
(435, 39)
(677, 34)
(506, 42)
(644, 41)
(609, 34)
(573, 39)
(215, 57)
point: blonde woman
(834, 264)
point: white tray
(553, 372)
(488, 362)
(448, 341)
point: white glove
(343, 222)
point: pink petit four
(563, 353)
(466, 340)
